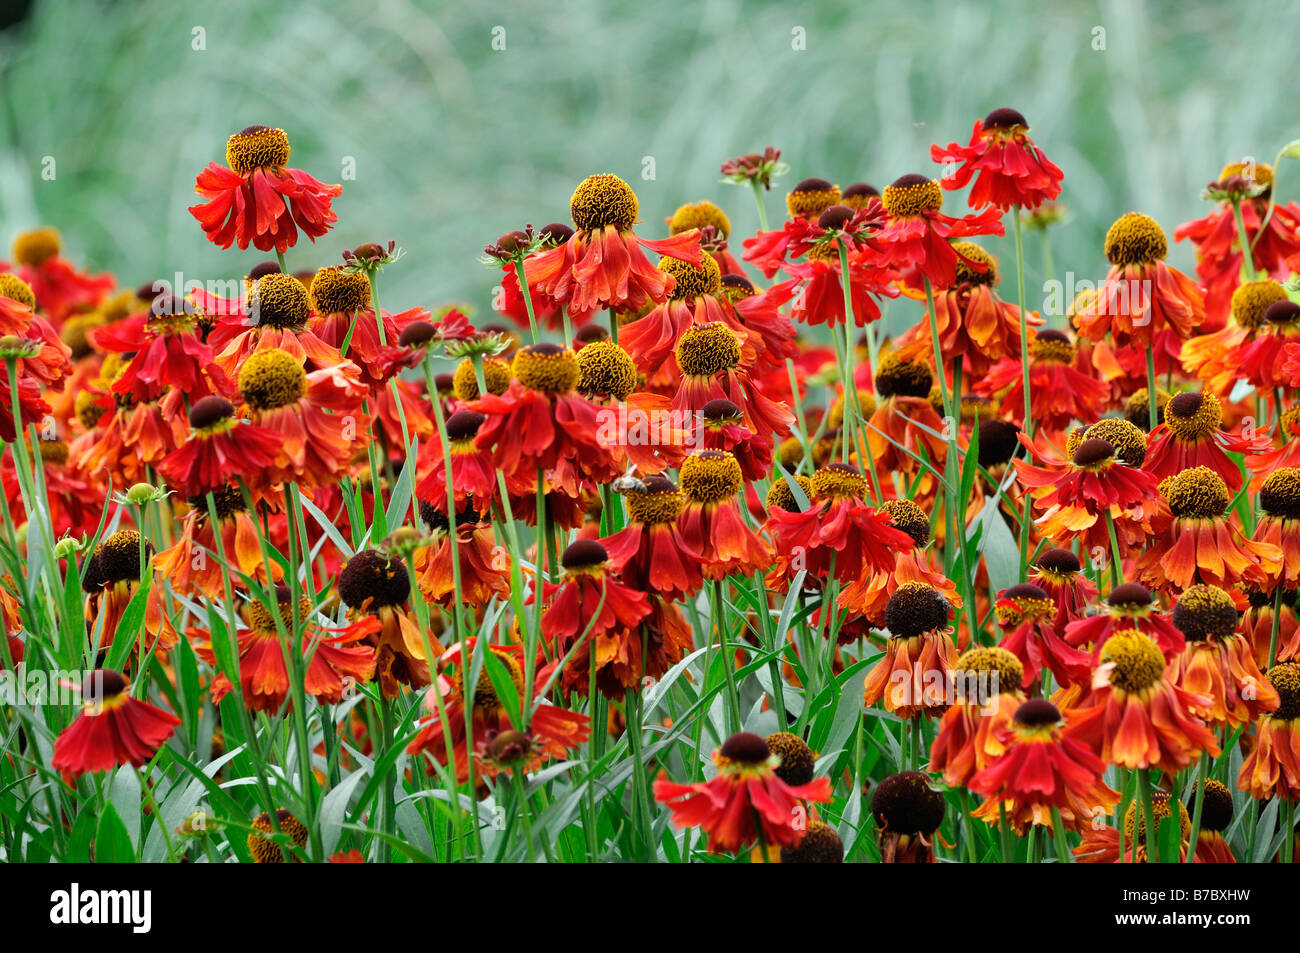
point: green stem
(758, 200)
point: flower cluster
(688, 538)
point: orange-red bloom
(1135, 716)
(1009, 168)
(111, 729)
(258, 200)
(1043, 769)
(746, 802)
(548, 731)
(601, 265)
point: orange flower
(1218, 662)
(1272, 768)
(484, 564)
(988, 695)
(111, 729)
(974, 323)
(317, 416)
(1135, 716)
(1062, 387)
(1141, 296)
(332, 659)
(1219, 255)
(1196, 543)
(746, 801)
(188, 565)
(374, 584)
(601, 265)
(1279, 498)
(913, 677)
(695, 299)
(1042, 768)
(496, 743)
(274, 316)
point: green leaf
(112, 841)
(1168, 840)
(334, 809)
(1001, 551)
(129, 626)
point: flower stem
(758, 200)
(1024, 324)
(1247, 250)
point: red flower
(473, 475)
(162, 350)
(332, 658)
(651, 549)
(988, 695)
(1128, 606)
(1218, 245)
(1061, 387)
(220, 449)
(550, 731)
(1191, 436)
(1009, 169)
(57, 286)
(112, 729)
(1135, 716)
(1026, 614)
(258, 199)
(1060, 574)
(541, 423)
(1141, 296)
(1043, 769)
(711, 523)
(696, 300)
(838, 533)
(917, 234)
(601, 265)
(1076, 497)
(592, 602)
(710, 357)
(745, 802)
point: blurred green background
(455, 142)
